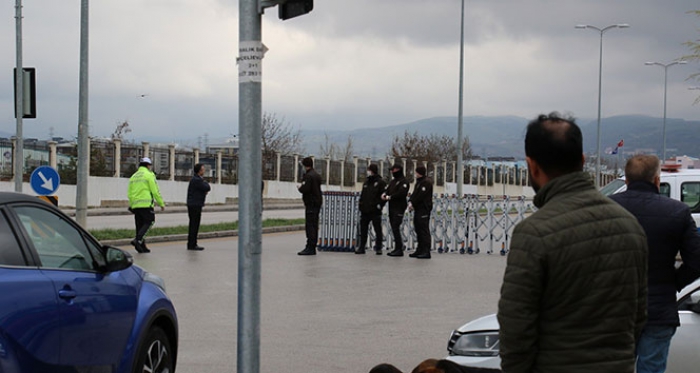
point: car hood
(488, 322)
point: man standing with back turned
(196, 194)
(310, 190)
(143, 191)
(574, 292)
(396, 194)
(670, 229)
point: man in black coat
(310, 189)
(371, 205)
(670, 229)
(396, 194)
(196, 194)
(421, 202)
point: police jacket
(310, 189)
(574, 292)
(143, 189)
(197, 191)
(422, 196)
(397, 192)
(371, 196)
(670, 230)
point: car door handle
(67, 294)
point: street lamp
(460, 165)
(600, 85)
(665, 66)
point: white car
(475, 344)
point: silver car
(475, 344)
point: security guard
(421, 202)
(310, 189)
(143, 190)
(396, 194)
(371, 205)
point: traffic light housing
(294, 8)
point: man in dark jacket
(421, 202)
(310, 189)
(371, 205)
(574, 292)
(670, 229)
(196, 194)
(396, 194)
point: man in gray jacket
(574, 292)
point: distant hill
(504, 135)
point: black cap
(420, 170)
(373, 168)
(397, 166)
(307, 162)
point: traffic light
(294, 8)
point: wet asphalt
(333, 312)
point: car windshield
(612, 187)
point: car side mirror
(117, 259)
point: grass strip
(116, 234)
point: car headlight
(473, 344)
(150, 277)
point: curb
(183, 237)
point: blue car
(69, 304)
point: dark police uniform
(371, 205)
(397, 191)
(422, 202)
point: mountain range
(503, 135)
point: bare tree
(332, 150)
(278, 136)
(431, 148)
(346, 152)
(121, 130)
(328, 149)
(694, 55)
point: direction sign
(45, 180)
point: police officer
(371, 205)
(310, 189)
(421, 202)
(143, 190)
(396, 194)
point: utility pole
(81, 194)
(250, 55)
(18, 157)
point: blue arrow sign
(45, 180)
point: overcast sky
(348, 64)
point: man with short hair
(670, 230)
(196, 194)
(143, 191)
(371, 205)
(573, 297)
(310, 189)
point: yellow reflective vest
(143, 189)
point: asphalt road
(333, 312)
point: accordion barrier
(468, 225)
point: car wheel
(155, 355)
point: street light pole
(460, 165)
(665, 66)
(600, 88)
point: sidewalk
(267, 205)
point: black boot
(360, 251)
(308, 251)
(396, 252)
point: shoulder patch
(423, 189)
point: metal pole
(81, 191)
(249, 213)
(663, 160)
(460, 166)
(600, 93)
(18, 157)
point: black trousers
(421, 223)
(396, 219)
(311, 215)
(195, 215)
(376, 220)
(144, 219)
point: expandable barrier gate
(457, 225)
